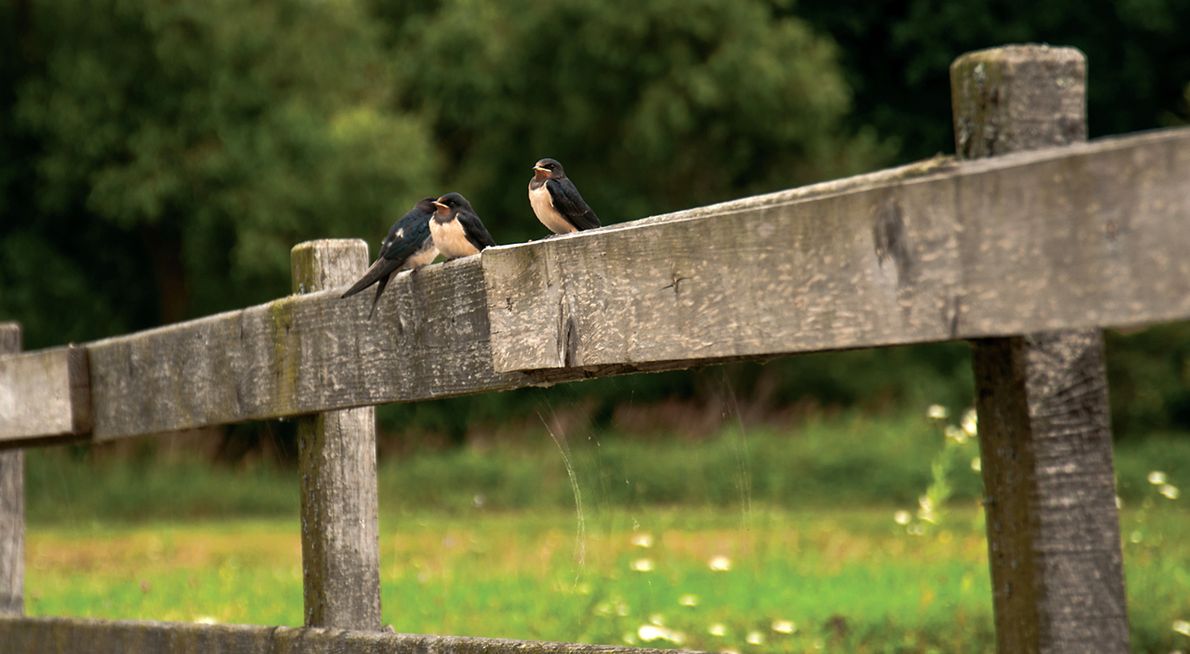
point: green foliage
(897, 57)
(73, 486)
(199, 141)
(1149, 374)
(845, 460)
(953, 468)
(651, 106)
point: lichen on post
(337, 463)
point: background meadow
(849, 533)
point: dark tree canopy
(651, 106)
(171, 154)
(897, 56)
(158, 158)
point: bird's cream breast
(422, 257)
(450, 239)
(543, 208)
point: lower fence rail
(69, 635)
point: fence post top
(1018, 97)
(10, 335)
(1024, 53)
(326, 263)
(328, 244)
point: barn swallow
(556, 200)
(407, 246)
(457, 229)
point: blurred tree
(650, 106)
(171, 153)
(897, 57)
(1149, 371)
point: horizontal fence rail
(38, 635)
(1087, 235)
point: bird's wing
(381, 269)
(388, 241)
(475, 231)
(571, 204)
(413, 235)
(404, 238)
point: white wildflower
(719, 563)
(784, 626)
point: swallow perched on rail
(556, 200)
(408, 245)
(457, 229)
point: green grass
(487, 540)
(850, 580)
(848, 460)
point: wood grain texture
(12, 507)
(307, 354)
(1080, 236)
(1045, 434)
(935, 251)
(301, 354)
(337, 464)
(45, 393)
(83, 636)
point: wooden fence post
(12, 506)
(1044, 423)
(337, 460)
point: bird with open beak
(556, 200)
(457, 229)
(408, 246)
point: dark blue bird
(556, 200)
(457, 229)
(407, 246)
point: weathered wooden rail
(1029, 253)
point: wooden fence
(1028, 244)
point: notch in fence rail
(337, 463)
(12, 506)
(1044, 422)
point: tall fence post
(1044, 423)
(337, 460)
(12, 506)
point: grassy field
(754, 541)
(831, 461)
(849, 580)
